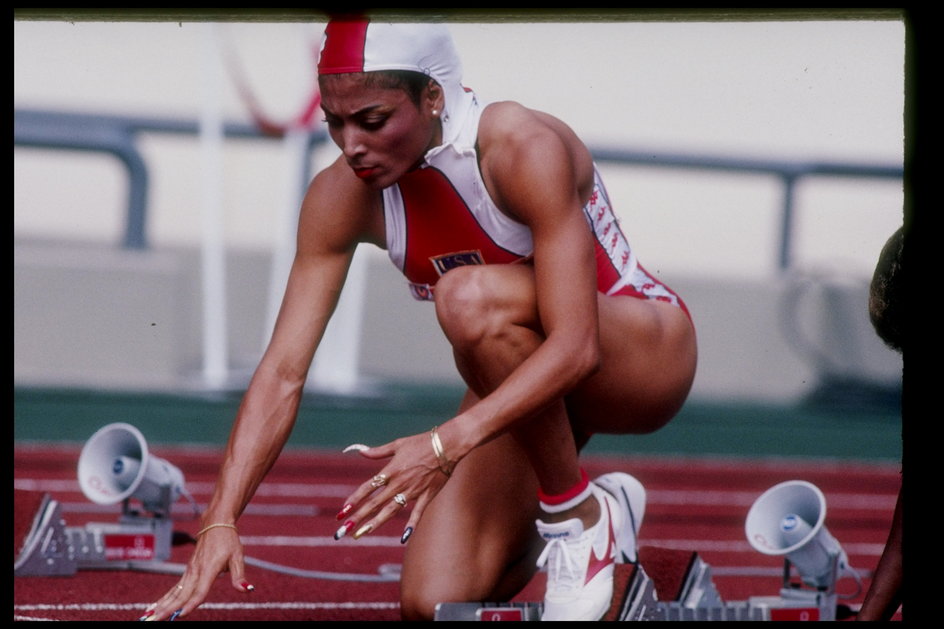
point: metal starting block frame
(54, 549)
(134, 539)
(46, 550)
(697, 599)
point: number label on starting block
(795, 613)
(499, 613)
(129, 547)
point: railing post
(136, 219)
(786, 221)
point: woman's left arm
(534, 166)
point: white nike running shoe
(580, 563)
(631, 496)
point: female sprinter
(496, 214)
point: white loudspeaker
(115, 465)
(788, 520)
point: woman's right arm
(331, 222)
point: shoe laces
(563, 557)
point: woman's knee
(436, 575)
(467, 307)
(471, 579)
(461, 552)
(418, 605)
(419, 600)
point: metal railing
(117, 135)
(788, 172)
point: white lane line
(864, 500)
(697, 545)
(318, 541)
(138, 606)
(180, 509)
(730, 546)
(297, 490)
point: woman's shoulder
(514, 130)
(502, 119)
(340, 205)
(505, 123)
(517, 143)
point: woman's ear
(435, 99)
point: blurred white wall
(796, 90)
(817, 90)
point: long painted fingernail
(344, 511)
(175, 614)
(406, 534)
(363, 531)
(345, 528)
(147, 615)
(249, 587)
(355, 447)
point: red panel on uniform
(441, 232)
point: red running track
(693, 504)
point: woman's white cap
(361, 45)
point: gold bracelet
(213, 526)
(444, 466)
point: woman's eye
(373, 123)
(369, 124)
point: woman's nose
(352, 141)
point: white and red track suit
(440, 216)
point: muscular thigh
(648, 353)
(647, 368)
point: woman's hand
(218, 550)
(411, 479)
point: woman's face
(381, 132)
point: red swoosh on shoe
(599, 563)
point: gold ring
(378, 481)
(400, 499)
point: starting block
(41, 543)
(46, 547)
(667, 585)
